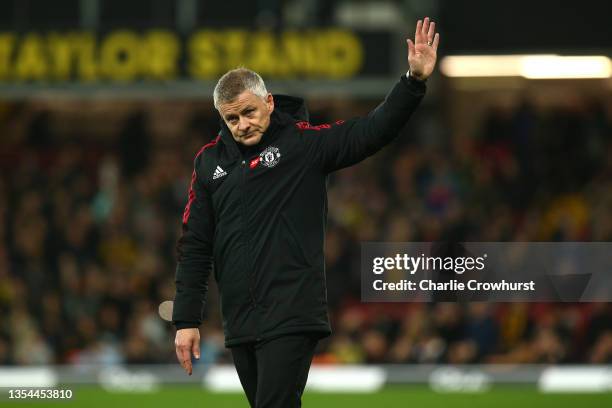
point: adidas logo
(219, 172)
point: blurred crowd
(88, 232)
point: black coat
(258, 216)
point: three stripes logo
(219, 172)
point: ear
(270, 102)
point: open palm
(422, 53)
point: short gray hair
(235, 82)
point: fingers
(184, 357)
(430, 32)
(184, 344)
(436, 41)
(410, 47)
(418, 32)
(187, 365)
(196, 349)
(425, 31)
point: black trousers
(273, 373)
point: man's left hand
(422, 53)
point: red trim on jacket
(304, 125)
(193, 180)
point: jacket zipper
(246, 237)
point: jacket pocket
(296, 249)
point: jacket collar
(287, 111)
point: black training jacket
(256, 217)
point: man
(257, 211)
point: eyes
(233, 119)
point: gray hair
(235, 82)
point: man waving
(256, 217)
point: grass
(393, 396)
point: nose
(243, 124)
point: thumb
(410, 47)
(195, 349)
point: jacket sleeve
(346, 143)
(195, 260)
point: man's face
(247, 117)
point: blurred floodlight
(538, 67)
(481, 65)
(543, 66)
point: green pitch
(396, 396)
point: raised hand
(422, 53)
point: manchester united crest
(270, 156)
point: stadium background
(97, 135)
